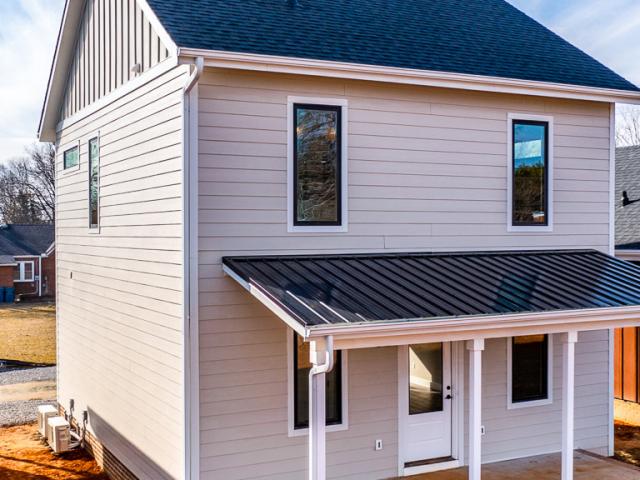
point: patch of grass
(28, 333)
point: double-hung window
(317, 165)
(530, 173)
(529, 370)
(24, 272)
(335, 389)
(94, 183)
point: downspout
(190, 265)
(40, 276)
(321, 356)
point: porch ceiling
(334, 293)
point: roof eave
(481, 326)
(323, 68)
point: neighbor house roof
(352, 290)
(25, 240)
(628, 180)
(478, 37)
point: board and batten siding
(120, 291)
(114, 36)
(427, 172)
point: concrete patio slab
(544, 467)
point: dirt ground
(28, 333)
(24, 456)
(627, 443)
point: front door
(427, 401)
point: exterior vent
(44, 413)
(59, 437)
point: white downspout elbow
(195, 75)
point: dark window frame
(94, 226)
(544, 375)
(339, 179)
(339, 386)
(75, 148)
(546, 126)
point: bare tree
(27, 187)
(628, 126)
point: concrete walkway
(544, 467)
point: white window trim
(20, 266)
(533, 403)
(511, 117)
(75, 168)
(301, 432)
(93, 230)
(340, 102)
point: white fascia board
(62, 58)
(322, 68)
(463, 328)
(631, 255)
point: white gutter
(489, 326)
(323, 68)
(630, 255)
(190, 274)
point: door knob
(448, 397)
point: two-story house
(351, 239)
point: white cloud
(28, 34)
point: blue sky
(609, 30)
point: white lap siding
(427, 172)
(120, 291)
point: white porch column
(475, 347)
(321, 356)
(568, 384)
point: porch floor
(544, 467)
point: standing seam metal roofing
(477, 37)
(356, 289)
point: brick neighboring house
(27, 259)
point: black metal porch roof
(357, 289)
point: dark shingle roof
(479, 37)
(355, 289)
(628, 179)
(22, 239)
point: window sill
(24, 281)
(530, 228)
(532, 403)
(317, 229)
(303, 432)
(70, 170)
(94, 231)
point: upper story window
(317, 165)
(530, 370)
(530, 173)
(94, 183)
(71, 158)
(24, 272)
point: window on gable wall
(94, 183)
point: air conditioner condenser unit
(59, 437)
(44, 413)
